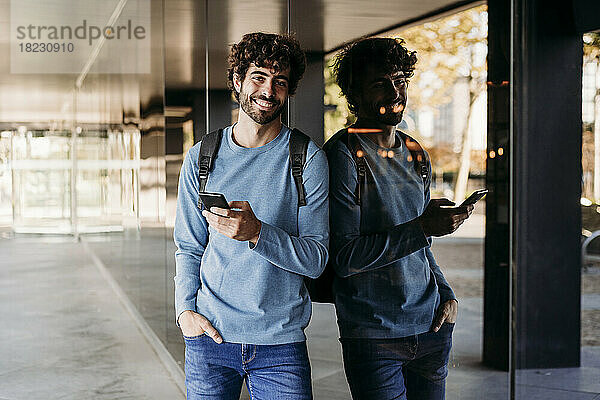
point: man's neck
(385, 138)
(248, 133)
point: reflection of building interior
(64, 182)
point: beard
(389, 117)
(259, 116)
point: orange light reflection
(364, 130)
(398, 108)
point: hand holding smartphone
(213, 200)
(475, 197)
(243, 225)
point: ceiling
(189, 28)
(320, 26)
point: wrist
(422, 225)
(255, 238)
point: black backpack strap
(208, 152)
(353, 145)
(418, 154)
(298, 149)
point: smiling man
(395, 309)
(239, 293)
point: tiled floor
(70, 338)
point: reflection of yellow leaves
(591, 46)
(443, 157)
(445, 49)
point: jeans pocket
(202, 335)
(447, 328)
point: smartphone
(475, 197)
(213, 200)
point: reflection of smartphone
(474, 198)
(213, 200)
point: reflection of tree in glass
(591, 117)
(449, 49)
(590, 159)
(337, 114)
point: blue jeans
(217, 371)
(412, 367)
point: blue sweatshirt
(253, 294)
(387, 284)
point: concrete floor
(68, 336)
(65, 335)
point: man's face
(382, 95)
(262, 93)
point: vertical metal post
(496, 312)
(512, 366)
(11, 153)
(73, 186)
(597, 134)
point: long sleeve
(446, 292)
(444, 289)
(352, 251)
(190, 236)
(306, 253)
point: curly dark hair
(354, 59)
(267, 50)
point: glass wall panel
(95, 151)
(185, 117)
(198, 36)
(590, 207)
(82, 144)
(446, 113)
(442, 128)
(83, 140)
(121, 163)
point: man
(395, 309)
(239, 293)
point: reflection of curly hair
(352, 62)
(267, 50)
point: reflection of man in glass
(239, 293)
(395, 309)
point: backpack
(210, 146)
(321, 288)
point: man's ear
(237, 83)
